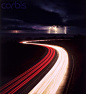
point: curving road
(55, 79)
(17, 83)
(52, 82)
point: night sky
(40, 14)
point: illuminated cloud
(52, 6)
(16, 24)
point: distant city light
(15, 31)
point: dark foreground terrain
(17, 58)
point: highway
(52, 82)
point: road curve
(55, 79)
(17, 83)
(52, 82)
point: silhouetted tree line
(76, 37)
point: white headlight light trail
(56, 77)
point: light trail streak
(15, 84)
(52, 81)
(56, 77)
(23, 74)
(47, 61)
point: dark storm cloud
(62, 7)
(19, 24)
(44, 13)
(12, 20)
(32, 14)
(51, 6)
(12, 23)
